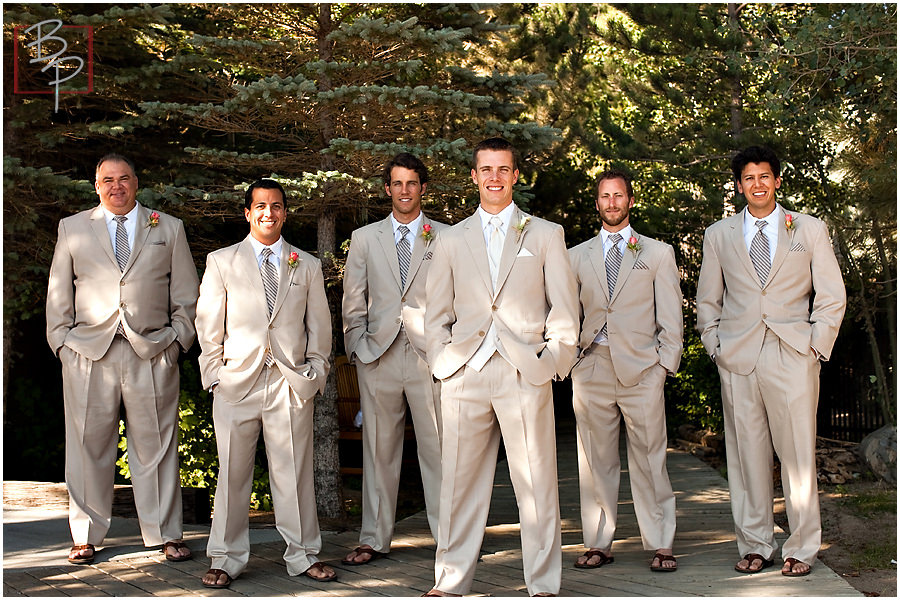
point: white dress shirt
(413, 227)
(258, 246)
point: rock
(878, 451)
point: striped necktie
(613, 263)
(123, 251)
(759, 253)
(270, 283)
(404, 255)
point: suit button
(609, 311)
(764, 292)
(765, 316)
(403, 299)
(121, 305)
(399, 319)
(494, 307)
(480, 334)
(122, 283)
(271, 326)
(596, 331)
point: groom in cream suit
(384, 334)
(631, 338)
(770, 300)
(501, 322)
(265, 333)
(120, 309)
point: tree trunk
(329, 493)
(889, 294)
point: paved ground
(35, 543)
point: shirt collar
(131, 214)
(258, 247)
(505, 217)
(413, 225)
(625, 232)
(771, 219)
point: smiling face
(614, 204)
(495, 176)
(758, 184)
(116, 184)
(405, 191)
(266, 215)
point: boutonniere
(426, 233)
(521, 225)
(789, 222)
(153, 219)
(633, 245)
(293, 259)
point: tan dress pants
(286, 422)
(477, 408)
(93, 392)
(774, 405)
(600, 402)
(383, 384)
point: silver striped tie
(613, 263)
(123, 252)
(270, 284)
(404, 255)
(759, 253)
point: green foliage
(694, 392)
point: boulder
(878, 451)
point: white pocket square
(524, 252)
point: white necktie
(495, 248)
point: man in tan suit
(120, 308)
(761, 269)
(265, 333)
(631, 337)
(501, 323)
(384, 334)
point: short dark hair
(407, 161)
(495, 143)
(114, 157)
(265, 184)
(755, 155)
(616, 174)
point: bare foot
(176, 550)
(594, 558)
(794, 568)
(216, 578)
(362, 555)
(82, 554)
(656, 563)
(437, 592)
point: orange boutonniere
(153, 220)
(293, 259)
(789, 222)
(426, 233)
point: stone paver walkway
(35, 543)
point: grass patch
(867, 504)
(875, 556)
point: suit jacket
(375, 306)
(643, 317)
(235, 332)
(154, 297)
(534, 307)
(734, 309)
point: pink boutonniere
(293, 259)
(426, 233)
(633, 245)
(153, 220)
(789, 222)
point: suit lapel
(474, 236)
(598, 262)
(141, 231)
(511, 246)
(247, 266)
(418, 252)
(736, 223)
(386, 239)
(98, 225)
(785, 241)
(627, 266)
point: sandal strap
(593, 553)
